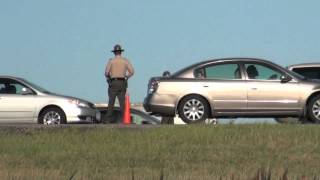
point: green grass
(174, 152)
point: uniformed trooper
(117, 72)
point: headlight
(78, 103)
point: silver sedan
(233, 87)
(24, 102)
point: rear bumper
(153, 103)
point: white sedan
(24, 102)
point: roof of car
(6, 76)
(230, 59)
(234, 59)
(12, 77)
(302, 65)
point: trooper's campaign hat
(117, 48)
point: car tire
(51, 116)
(314, 109)
(193, 109)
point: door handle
(205, 86)
(254, 88)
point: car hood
(71, 97)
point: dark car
(137, 116)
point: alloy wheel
(316, 109)
(193, 109)
(51, 117)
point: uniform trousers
(117, 88)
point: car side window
(199, 73)
(2, 88)
(7, 88)
(261, 72)
(309, 72)
(10, 87)
(222, 71)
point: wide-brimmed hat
(117, 48)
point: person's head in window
(252, 72)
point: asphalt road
(9, 126)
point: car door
(225, 86)
(267, 93)
(14, 106)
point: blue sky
(63, 45)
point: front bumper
(83, 115)
(156, 105)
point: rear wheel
(52, 116)
(314, 109)
(193, 109)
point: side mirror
(26, 91)
(285, 78)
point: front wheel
(193, 109)
(314, 109)
(52, 116)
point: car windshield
(35, 86)
(308, 72)
(299, 76)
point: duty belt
(119, 79)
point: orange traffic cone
(126, 114)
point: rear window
(308, 72)
(222, 71)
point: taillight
(153, 85)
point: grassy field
(165, 152)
